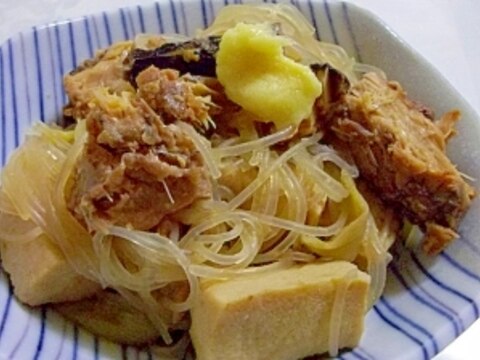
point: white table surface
(445, 32)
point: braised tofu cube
(287, 314)
(40, 273)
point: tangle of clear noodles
(12, 227)
(326, 153)
(246, 193)
(274, 203)
(377, 256)
(296, 210)
(249, 146)
(249, 229)
(203, 145)
(6, 206)
(34, 181)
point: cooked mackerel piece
(400, 152)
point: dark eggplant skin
(196, 57)
(335, 84)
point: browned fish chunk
(134, 169)
(108, 69)
(400, 152)
(173, 96)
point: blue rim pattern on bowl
(427, 302)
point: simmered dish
(238, 191)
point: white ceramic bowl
(427, 303)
